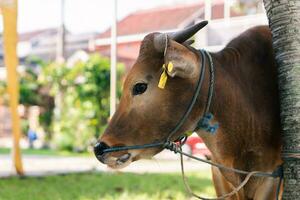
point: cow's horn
(183, 35)
(179, 36)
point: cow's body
(245, 104)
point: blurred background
(64, 52)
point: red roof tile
(155, 19)
(164, 18)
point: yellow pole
(10, 37)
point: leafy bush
(29, 88)
(74, 100)
(32, 93)
(81, 100)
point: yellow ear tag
(163, 78)
(170, 67)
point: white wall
(219, 32)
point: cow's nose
(98, 150)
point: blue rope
(194, 98)
(205, 121)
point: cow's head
(147, 113)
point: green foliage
(29, 88)
(81, 98)
(81, 95)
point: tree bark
(284, 21)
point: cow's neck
(239, 125)
(226, 99)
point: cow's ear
(180, 61)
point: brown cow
(245, 104)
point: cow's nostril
(99, 148)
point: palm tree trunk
(284, 21)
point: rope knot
(172, 146)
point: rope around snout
(176, 148)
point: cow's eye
(139, 88)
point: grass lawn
(48, 152)
(107, 186)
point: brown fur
(245, 104)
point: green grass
(46, 152)
(106, 186)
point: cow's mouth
(122, 158)
(116, 162)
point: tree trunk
(284, 21)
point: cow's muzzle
(114, 161)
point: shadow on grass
(95, 186)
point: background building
(43, 44)
(133, 28)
